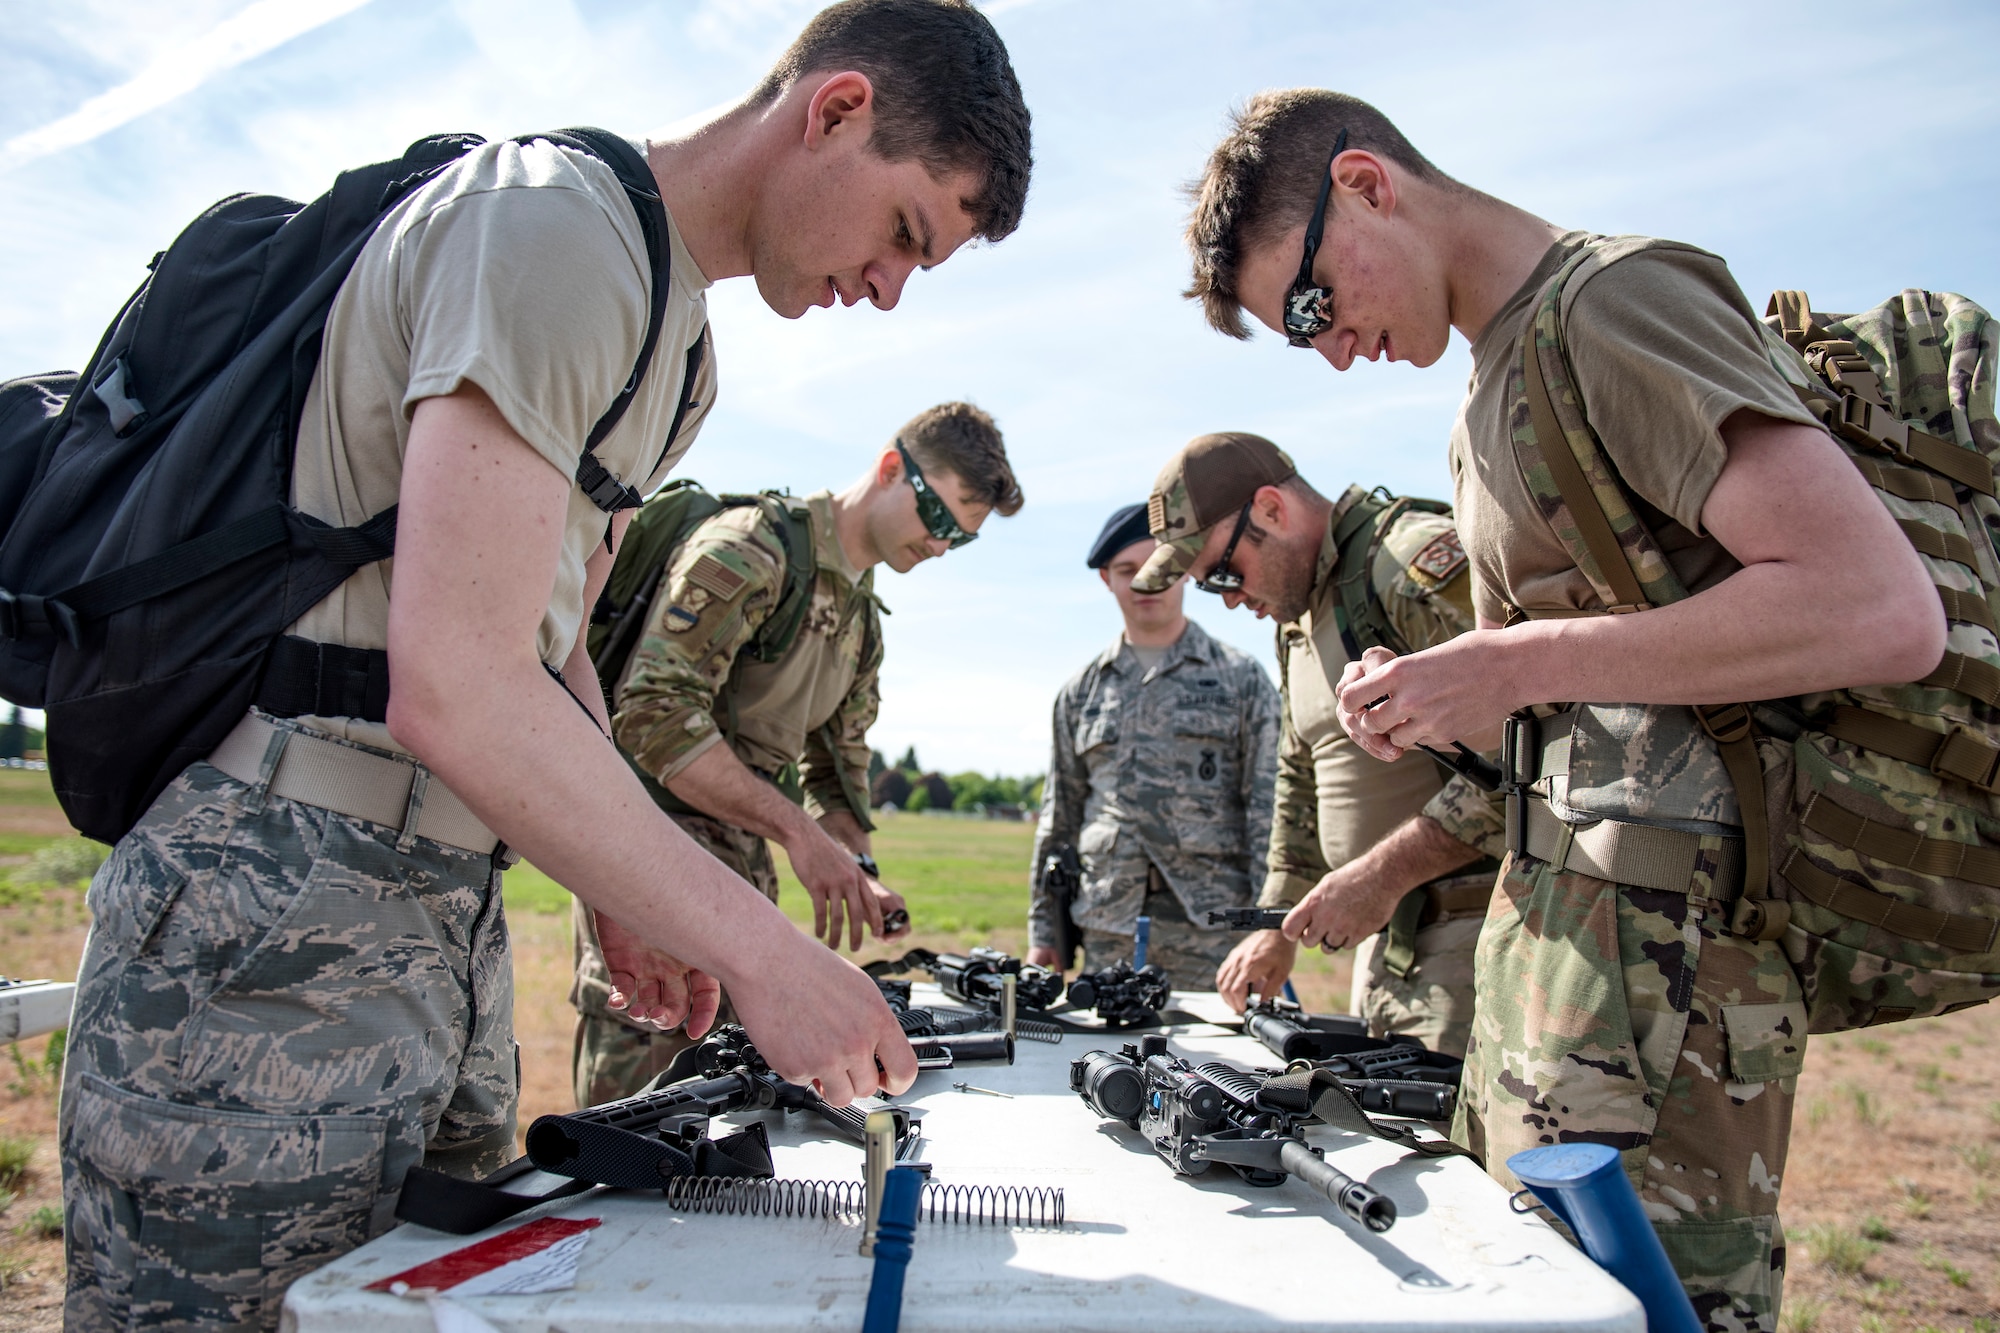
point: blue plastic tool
(1141, 937)
(1585, 1185)
(1291, 994)
(895, 1234)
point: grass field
(1892, 1195)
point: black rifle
(1122, 997)
(921, 1021)
(1341, 1043)
(641, 1142)
(974, 977)
(1062, 877)
(1199, 1116)
(1249, 918)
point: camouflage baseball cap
(1211, 478)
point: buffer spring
(975, 1205)
(951, 1022)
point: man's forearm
(845, 829)
(1416, 852)
(721, 786)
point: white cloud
(258, 28)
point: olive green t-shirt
(521, 269)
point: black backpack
(151, 559)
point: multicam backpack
(1870, 813)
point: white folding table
(1140, 1248)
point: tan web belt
(1442, 902)
(361, 784)
(1636, 854)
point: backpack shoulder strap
(1364, 623)
(1563, 462)
(605, 490)
(780, 629)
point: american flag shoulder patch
(718, 578)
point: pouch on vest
(1872, 830)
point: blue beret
(1123, 528)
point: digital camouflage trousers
(280, 1011)
(1620, 1015)
(1188, 955)
(1433, 1002)
(611, 1057)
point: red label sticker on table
(447, 1271)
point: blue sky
(1845, 149)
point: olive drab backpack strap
(1364, 622)
(774, 638)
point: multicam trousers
(280, 1011)
(1188, 954)
(611, 1057)
(1620, 1015)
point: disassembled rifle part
(967, 1087)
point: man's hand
(887, 900)
(1044, 955)
(1260, 962)
(848, 1045)
(1388, 705)
(654, 987)
(1344, 908)
(839, 888)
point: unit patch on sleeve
(718, 578)
(1439, 562)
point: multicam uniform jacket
(1172, 768)
(1335, 801)
(689, 685)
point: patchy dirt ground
(1892, 1201)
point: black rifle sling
(596, 481)
(451, 1204)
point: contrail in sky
(259, 27)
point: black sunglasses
(1220, 577)
(1307, 303)
(931, 508)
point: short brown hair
(1264, 176)
(945, 93)
(960, 439)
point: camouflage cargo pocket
(1765, 1041)
(215, 1213)
(1864, 849)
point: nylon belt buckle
(1520, 751)
(1961, 743)
(1855, 419)
(1726, 723)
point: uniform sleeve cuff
(1285, 888)
(1474, 817)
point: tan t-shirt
(521, 269)
(1664, 352)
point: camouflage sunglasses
(1220, 577)
(1307, 303)
(931, 508)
